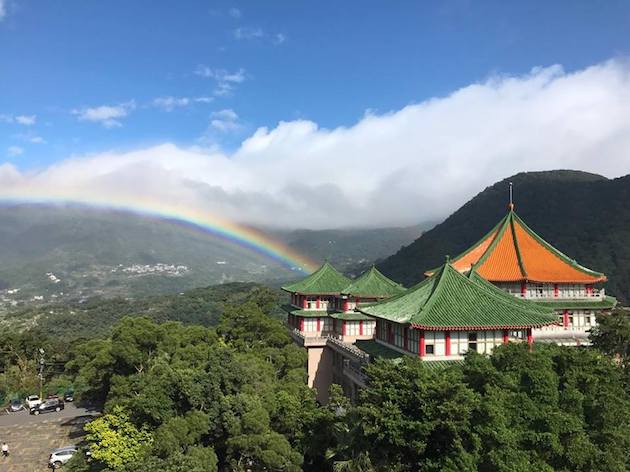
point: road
(31, 438)
(24, 418)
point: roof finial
(448, 259)
(511, 205)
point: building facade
(511, 286)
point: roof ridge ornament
(511, 204)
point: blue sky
(326, 61)
(308, 114)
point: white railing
(595, 294)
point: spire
(511, 204)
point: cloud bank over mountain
(396, 168)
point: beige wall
(320, 371)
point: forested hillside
(186, 398)
(586, 216)
(53, 253)
(96, 316)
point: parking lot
(32, 438)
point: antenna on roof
(511, 205)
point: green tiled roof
(450, 300)
(324, 281)
(350, 316)
(443, 364)
(606, 304)
(373, 284)
(305, 313)
(376, 349)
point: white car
(60, 456)
(32, 401)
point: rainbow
(244, 236)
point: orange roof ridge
(513, 252)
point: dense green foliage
(555, 409)
(584, 215)
(96, 316)
(180, 398)
(172, 390)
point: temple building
(511, 286)
(514, 258)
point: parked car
(60, 456)
(32, 400)
(16, 405)
(49, 405)
(68, 396)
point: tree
(115, 441)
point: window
(472, 341)
(368, 327)
(398, 336)
(413, 340)
(352, 328)
(429, 349)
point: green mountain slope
(584, 215)
(58, 253)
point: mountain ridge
(582, 214)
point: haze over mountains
(585, 215)
(56, 253)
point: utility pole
(41, 373)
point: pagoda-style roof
(373, 284)
(513, 252)
(324, 281)
(450, 300)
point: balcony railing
(595, 294)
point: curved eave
(368, 295)
(482, 328)
(326, 294)
(547, 281)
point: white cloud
(417, 163)
(225, 80)
(170, 103)
(37, 140)
(3, 9)
(278, 39)
(26, 120)
(107, 115)
(225, 121)
(234, 12)
(245, 32)
(14, 151)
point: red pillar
(304, 301)
(421, 349)
(301, 324)
(343, 327)
(505, 336)
(406, 339)
(318, 303)
(589, 290)
(565, 318)
(530, 338)
(360, 327)
(357, 300)
(319, 324)
(523, 289)
(447, 343)
(556, 290)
